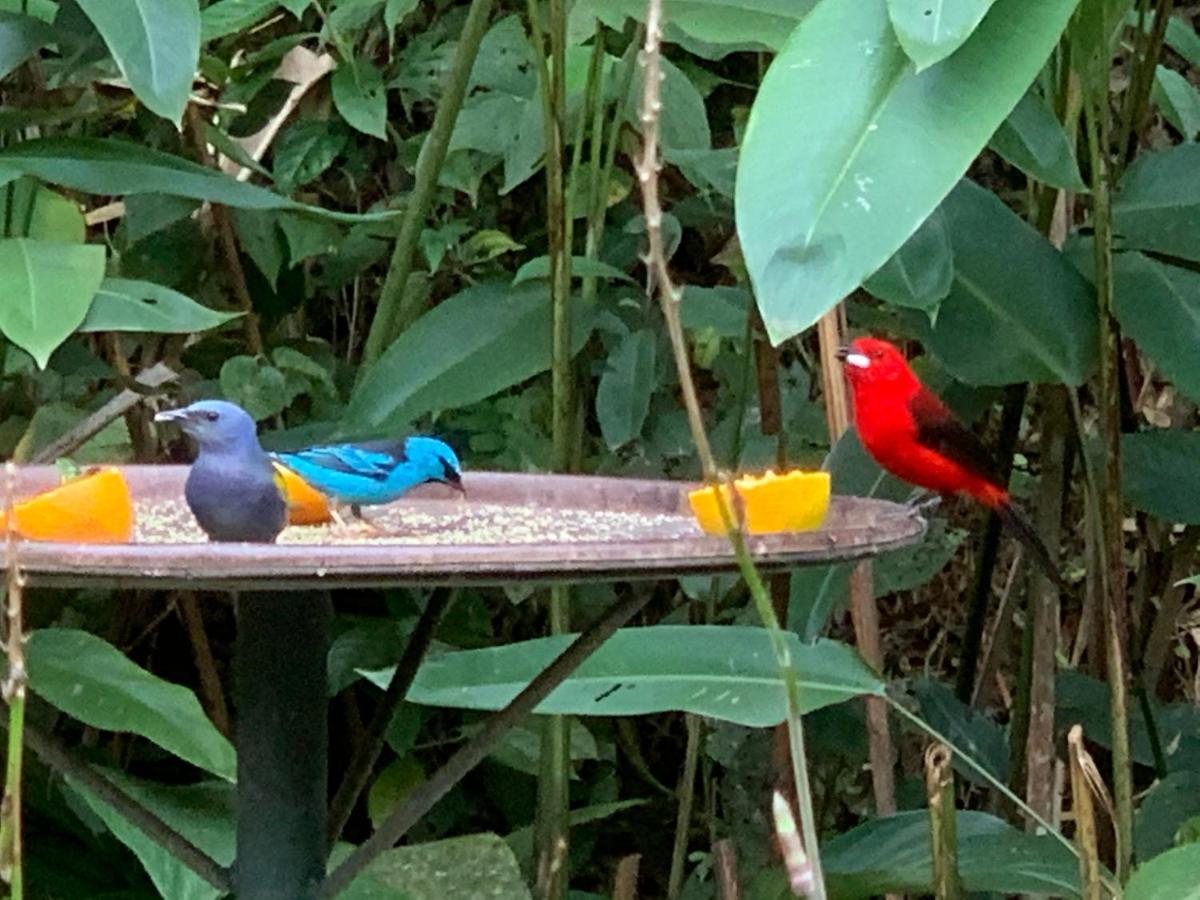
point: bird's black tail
(1014, 520)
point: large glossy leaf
(20, 37)
(1033, 140)
(92, 681)
(723, 672)
(475, 865)
(1167, 805)
(203, 813)
(157, 45)
(920, 274)
(891, 855)
(1170, 876)
(1158, 305)
(45, 291)
(1002, 322)
(930, 30)
(1157, 203)
(226, 17)
(1178, 100)
(472, 345)
(35, 211)
(358, 94)
(823, 204)
(1160, 473)
(623, 395)
(123, 304)
(107, 166)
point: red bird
(910, 433)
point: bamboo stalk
(943, 830)
(1086, 836)
(625, 883)
(14, 690)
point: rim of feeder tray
(592, 528)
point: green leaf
(1157, 203)
(358, 94)
(258, 233)
(1044, 308)
(20, 38)
(485, 245)
(45, 291)
(395, 12)
(971, 730)
(719, 671)
(1159, 307)
(920, 274)
(157, 45)
(882, 145)
(92, 681)
(623, 395)
(40, 213)
(930, 30)
(1171, 876)
(261, 389)
(108, 166)
(1179, 101)
(1033, 140)
(891, 855)
(581, 267)
(226, 17)
(474, 344)
(440, 870)
(307, 237)
(1183, 39)
(1163, 811)
(203, 813)
(1160, 473)
(306, 149)
(146, 214)
(122, 304)
(684, 120)
(722, 309)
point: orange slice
(791, 501)
(93, 509)
(306, 505)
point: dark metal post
(282, 743)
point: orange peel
(772, 503)
(95, 508)
(306, 505)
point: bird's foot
(358, 526)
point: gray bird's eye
(212, 416)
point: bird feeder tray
(508, 527)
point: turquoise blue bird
(233, 489)
(374, 472)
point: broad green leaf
(20, 38)
(305, 149)
(1160, 473)
(203, 813)
(307, 237)
(157, 45)
(920, 274)
(709, 28)
(226, 17)
(108, 166)
(146, 214)
(122, 304)
(472, 345)
(92, 681)
(1157, 203)
(1158, 305)
(476, 865)
(891, 855)
(1043, 307)
(1033, 140)
(40, 213)
(1179, 101)
(358, 94)
(51, 421)
(972, 731)
(45, 291)
(395, 11)
(623, 395)
(1163, 811)
(723, 672)
(684, 121)
(908, 569)
(882, 145)
(261, 389)
(485, 245)
(259, 235)
(930, 30)
(1171, 876)
(721, 309)
(581, 267)
(1183, 39)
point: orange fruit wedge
(789, 501)
(93, 509)
(306, 505)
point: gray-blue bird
(233, 488)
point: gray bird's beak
(173, 415)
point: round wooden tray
(508, 527)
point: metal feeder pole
(282, 743)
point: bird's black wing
(939, 430)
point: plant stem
(1084, 815)
(1113, 599)
(14, 689)
(687, 794)
(393, 314)
(943, 830)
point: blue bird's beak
(454, 479)
(173, 415)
